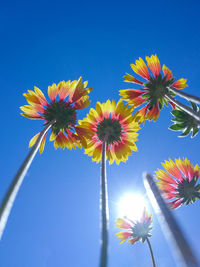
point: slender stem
(183, 252)
(188, 110)
(189, 97)
(11, 194)
(104, 208)
(151, 251)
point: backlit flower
(153, 90)
(179, 182)
(115, 123)
(65, 99)
(139, 230)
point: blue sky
(55, 219)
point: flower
(64, 130)
(153, 90)
(185, 122)
(139, 230)
(178, 182)
(115, 123)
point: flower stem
(188, 110)
(104, 207)
(183, 252)
(151, 251)
(11, 194)
(189, 97)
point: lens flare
(131, 206)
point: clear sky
(55, 219)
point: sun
(131, 206)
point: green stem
(104, 208)
(187, 109)
(189, 97)
(11, 194)
(151, 251)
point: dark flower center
(110, 127)
(156, 89)
(188, 190)
(62, 112)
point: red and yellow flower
(65, 99)
(139, 230)
(114, 122)
(153, 90)
(179, 182)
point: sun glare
(131, 206)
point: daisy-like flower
(154, 89)
(179, 182)
(139, 230)
(65, 99)
(114, 122)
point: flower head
(65, 99)
(179, 182)
(115, 123)
(136, 231)
(153, 90)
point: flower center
(156, 89)
(63, 113)
(112, 128)
(141, 230)
(188, 191)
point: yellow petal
(41, 149)
(33, 140)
